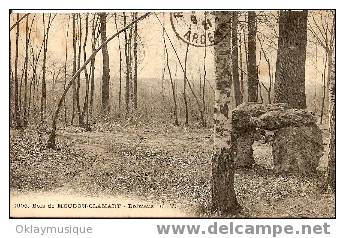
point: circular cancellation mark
(198, 28)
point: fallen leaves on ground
(169, 164)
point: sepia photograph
(172, 114)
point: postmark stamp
(198, 28)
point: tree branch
(15, 24)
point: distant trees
(321, 26)
(51, 141)
(187, 84)
(38, 82)
(289, 84)
(25, 85)
(131, 63)
(172, 83)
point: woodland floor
(167, 165)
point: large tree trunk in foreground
(290, 67)
(251, 63)
(224, 201)
(106, 70)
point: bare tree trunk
(16, 96)
(28, 109)
(289, 84)
(34, 80)
(235, 74)
(44, 85)
(270, 74)
(11, 82)
(331, 155)
(87, 80)
(253, 80)
(65, 73)
(106, 70)
(20, 95)
(74, 96)
(324, 86)
(185, 86)
(163, 79)
(26, 65)
(224, 201)
(135, 53)
(241, 65)
(120, 70)
(92, 65)
(130, 72)
(164, 65)
(79, 35)
(203, 119)
(18, 21)
(171, 82)
(127, 52)
(260, 94)
(331, 82)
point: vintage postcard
(118, 114)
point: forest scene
(172, 114)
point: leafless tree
(235, 74)
(253, 80)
